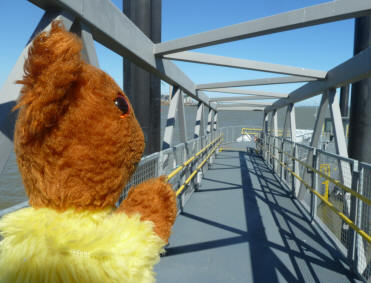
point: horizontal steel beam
(110, 27)
(355, 69)
(217, 60)
(240, 108)
(249, 92)
(245, 103)
(238, 98)
(309, 16)
(255, 82)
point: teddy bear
(77, 143)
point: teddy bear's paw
(155, 201)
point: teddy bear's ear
(53, 66)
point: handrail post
(313, 198)
(275, 130)
(353, 216)
(359, 251)
(295, 168)
(282, 159)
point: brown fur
(155, 201)
(73, 148)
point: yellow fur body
(43, 245)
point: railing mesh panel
(335, 195)
(363, 250)
(287, 176)
(304, 194)
(147, 168)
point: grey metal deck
(243, 226)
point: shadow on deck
(243, 226)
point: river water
(11, 187)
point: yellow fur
(43, 245)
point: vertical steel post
(182, 120)
(353, 216)
(344, 100)
(209, 121)
(270, 133)
(275, 134)
(216, 121)
(313, 198)
(143, 88)
(171, 116)
(295, 167)
(264, 135)
(199, 126)
(316, 134)
(360, 124)
(284, 134)
(360, 110)
(360, 255)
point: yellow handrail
(178, 169)
(189, 179)
(335, 182)
(329, 204)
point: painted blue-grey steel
(111, 28)
(241, 98)
(142, 87)
(247, 97)
(243, 226)
(217, 60)
(249, 92)
(344, 101)
(255, 82)
(360, 112)
(309, 16)
(352, 70)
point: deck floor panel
(242, 225)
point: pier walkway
(242, 225)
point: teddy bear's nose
(122, 104)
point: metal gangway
(268, 210)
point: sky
(320, 47)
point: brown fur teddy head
(76, 138)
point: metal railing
(338, 200)
(184, 164)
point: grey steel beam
(317, 130)
(215, 126)
(286, 122)
(344, 101)
(239, 98)
(255, 82)
(146, 15)
(235, 98)
(292, 123)
(209, 121)
(309, 16)
(171, 117)
(217, 60)
(240, 108)
(111, 28)
(249, 92)
(88, 51)
(244, 103)
(10, 91)
(199, 125)
(182, 120)
(275, 134)
(352, 70)
(295, 182)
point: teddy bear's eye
(122, 104)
